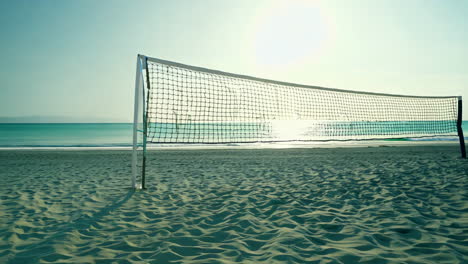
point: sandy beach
(405, 204)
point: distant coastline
(57, 119)
(72, 120)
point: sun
(289, 33)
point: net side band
(239, 76)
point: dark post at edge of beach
(459, 128)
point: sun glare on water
(292, 129)
(289, 33)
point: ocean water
(101, 134)
(66, 135)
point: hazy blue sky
(77, 58)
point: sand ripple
(375, 205)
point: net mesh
(185, 104)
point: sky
(76, 59)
